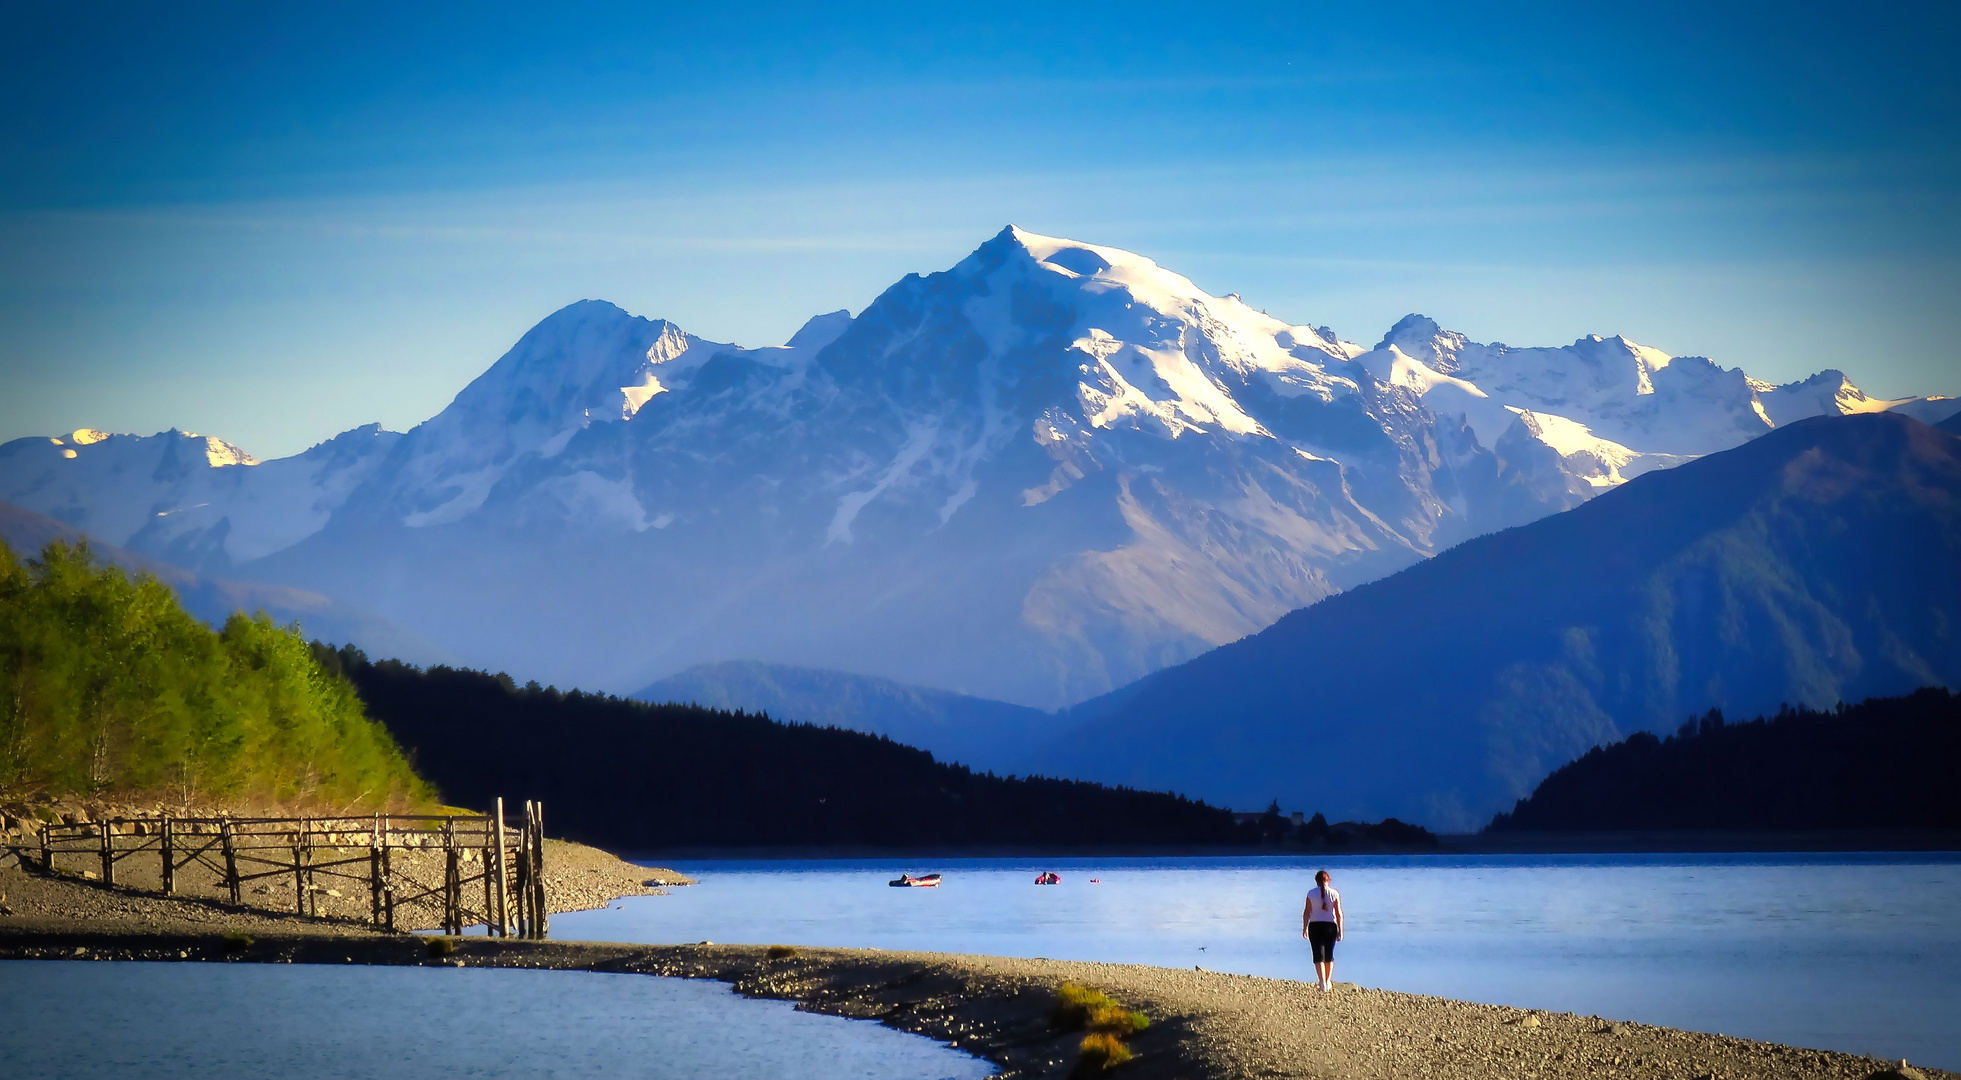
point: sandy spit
(1204, 1024)
(577, 878)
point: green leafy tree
(108, 686)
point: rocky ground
(577, 877)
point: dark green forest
(1885, 763)
(108, 687)
(639, 776)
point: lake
(84, 1020)
(1848, 952)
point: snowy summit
(1037, 475)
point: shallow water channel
(74, 1019)
(1846, 952)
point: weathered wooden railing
(505, 864)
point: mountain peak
(1411, 327)
(1422, 339)
(820, 330)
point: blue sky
(272, 226)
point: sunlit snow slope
(1035, 476)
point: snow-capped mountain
(192, 500)
(1035, 476)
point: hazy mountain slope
(192, 500)
(214, 599)
(1033, 477)
(1818, 563)
(1938, 411)
(976, 732)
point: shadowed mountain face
(981, 734)
(1818, 563)
(1035, 476)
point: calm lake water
(1848, 952)
(83, 1020)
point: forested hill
(1886, 763)
(641, 776)
(109, 688)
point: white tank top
(1320, 904)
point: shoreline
(1576, 843)
(577, 878)
(1203, 1024)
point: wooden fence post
(538, 865)
(108, 852)
(374, 874)
(452, 882)
(387, 875)
(47, 852)
(169, 859)
(526, 871)
(299, 876)
(522, 884)
(489, 884)
(231, 858)
(502, 880)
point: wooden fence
(491, 872)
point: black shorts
(1321, 938)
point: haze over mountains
(976, 732)
(214, 599)
(1037, 476)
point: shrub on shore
(1108, 1023)
(1101, 1052)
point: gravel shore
(1204, 1024)
(577, 878)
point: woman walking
(1321, 926)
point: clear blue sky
(272, 225)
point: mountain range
(982, 734)
(1037, 476)
(214, 599)
(1817, 564)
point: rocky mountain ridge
(1036, 476)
